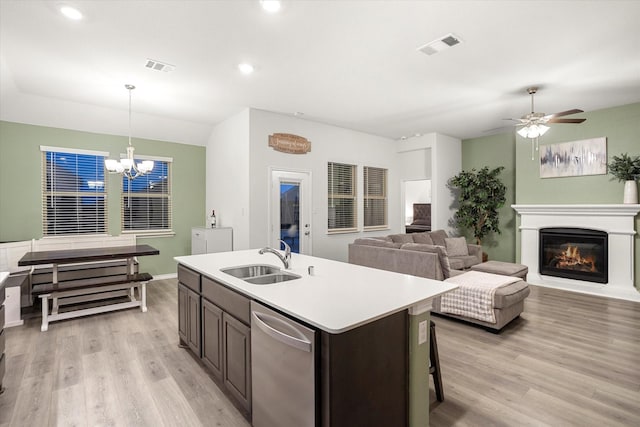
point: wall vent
(159, 66)
(440, 44)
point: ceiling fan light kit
(534, 124)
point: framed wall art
(576, 158)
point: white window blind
(375, 198)
(341, 197)
(74, 192)
(146, 200)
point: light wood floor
(569, 360)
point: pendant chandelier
(127, 167)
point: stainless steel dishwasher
(282, 370)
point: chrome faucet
(286, 259)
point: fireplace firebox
(574, 253)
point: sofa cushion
(422, 238)
(440, 250)
(456, 263)
(456, 246)
(468, 260)
(438, 237)
(401, 238)
(512, 294)
(377, 242)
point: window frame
(46, 194)
(333, 195)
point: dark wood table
(91, 292)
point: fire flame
(572, 260)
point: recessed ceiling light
(271, 6)
(71, 13)
(245, 68)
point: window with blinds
(146, 200)
(74, 192)
(341, 198)
(375, 198)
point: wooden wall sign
(289, 143)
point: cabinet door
(212, 338)
(183, 313)
(193, 329)
(237, 359)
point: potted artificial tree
(627, 169)
(480, 195)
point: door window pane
(290, 215)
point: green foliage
(481, 195)
(625, 167)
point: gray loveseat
(430, 254)
(427, 255)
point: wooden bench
(87, 290)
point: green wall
(494, 151)
(20, 192)
(620, 125)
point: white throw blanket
(474, 295)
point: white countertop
(337, 298)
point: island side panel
(365, 374)
(419, 370)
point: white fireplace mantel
(617, 220)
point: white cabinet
(209, 240)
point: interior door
(290, 213)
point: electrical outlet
(422, 332)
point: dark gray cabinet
(213, 321)
(189, 318)
(189, 308)
(236, 351)
(212, 338)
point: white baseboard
(165, 276)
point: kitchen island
(372, 361)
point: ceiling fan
(534, 124)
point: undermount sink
(247, 271)
(272, 278)
(260, 274)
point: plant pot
(630, 192)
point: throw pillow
(438, 237)
(401, 238)
(422, 238)
(456, 246)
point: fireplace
(574, 253)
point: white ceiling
(348, 63)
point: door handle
(261, 320)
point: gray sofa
(405, 253)
(432, 254)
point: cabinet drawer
(230, 301)
(189, 278)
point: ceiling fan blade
(566, 120)
(565, 113)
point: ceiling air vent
(159, 66)
(440, 44)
